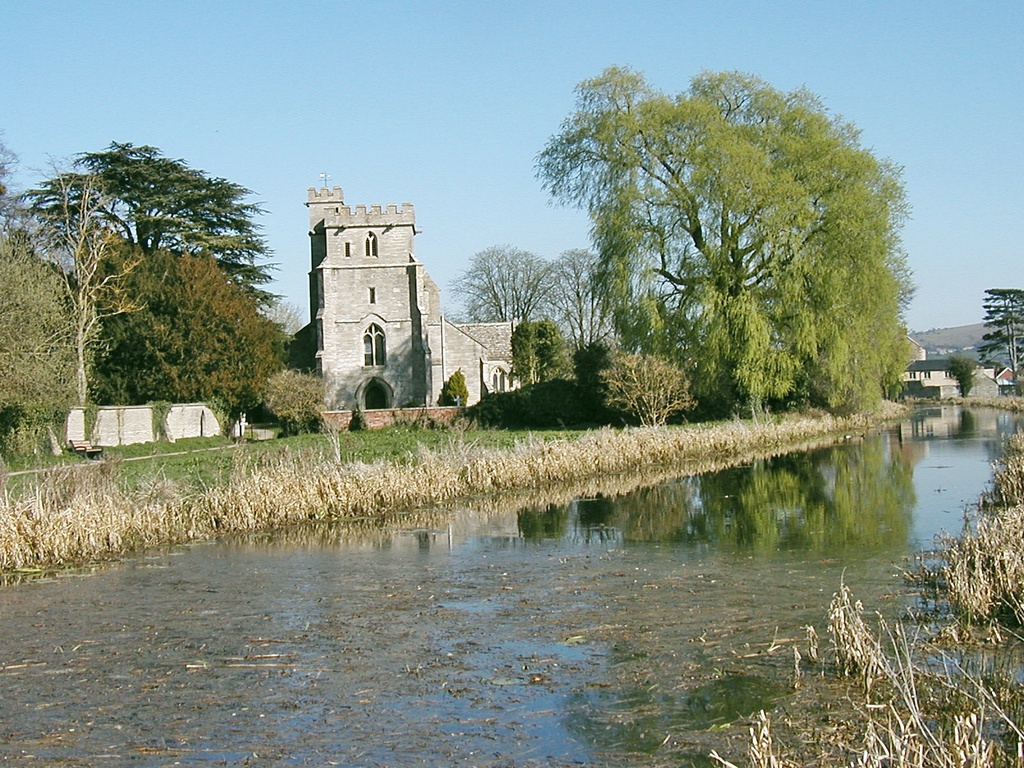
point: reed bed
(1013, 404)
(927, 713)
(1009, 479)
(983, 572)
(289, 491)
(82, 514)
(917, 708)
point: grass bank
(80, 513)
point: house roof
(929, 365)
(497, 337)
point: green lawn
(204, 461)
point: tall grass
(1013, 404)
(983, 575)
(918, 708)
(82, 513)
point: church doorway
(376, 396)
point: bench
(86, 449)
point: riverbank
(84, 514)
(1012, 404)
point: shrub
(589, 365)
(297, 400)
(549, 404)
(358, 421)
(26, 431)
(454, 391)
(648, 388)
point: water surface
(633, 629)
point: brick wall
(341, 420)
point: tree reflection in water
(637, 720)
(840, 498)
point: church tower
(371, 304)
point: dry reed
(1009, 479)
(983, 575)
(857, 650)
(916, 714)
(934, 715)
(762, 752)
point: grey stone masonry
(381, 341)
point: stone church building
(380, 338)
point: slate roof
(497, 337)
(929, 365)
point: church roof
(497, 337)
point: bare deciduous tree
(577, 301)
(285, 315)
(504, 284)
(83, 246)
(8, 201)
(648, 388)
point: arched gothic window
(374, 346)
(371, 245)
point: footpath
(253, 434)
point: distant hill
(942, 342)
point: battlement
(329, 205)
(325, 195)
(377, 216)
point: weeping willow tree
(744, 232)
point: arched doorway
(376, 396)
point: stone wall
(463, 353)
(126, 425)
(190, 420)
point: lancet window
(374, 346)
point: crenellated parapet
(325, 195)
(329, 205)
(376, 216)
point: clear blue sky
(446, 105)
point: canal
(631, 626)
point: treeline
(129, 277)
